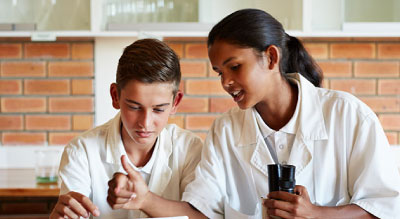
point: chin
(244, 106)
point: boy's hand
(287, 205)
(127, 191)
(73, 205)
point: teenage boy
(146, 93)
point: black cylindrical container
(274, 172)
(287, 180)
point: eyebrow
(224, 63)
(137, 103)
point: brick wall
(47, 88)
(366, 67)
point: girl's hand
(287, 205)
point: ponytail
(295, 58)
(254, 28)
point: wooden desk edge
(29, 192)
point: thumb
(132, 174)
(302, 191)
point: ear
(273, 57)
(177, 100)
(114, 95)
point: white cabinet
(45, 15)
(126, 18)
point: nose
(145, 119)
(226, 80)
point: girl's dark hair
(254, 28)
(148, 61)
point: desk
(21, 195)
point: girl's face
(248, 77)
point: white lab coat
(90, 160)
(340, 152)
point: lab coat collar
(114, 145)
(311, 127)
(311, 119)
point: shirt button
(281, 146)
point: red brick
(392, 137)
(70, 69)
(390, 122)
(82, 86)
(204, 87)
(10, 50)
(11, 122)
(10, 87)
(82, 122)
(317, 50)
(82, 51)
(220, 105)
(376, 69)
(389, 51)
(23, 69)
(360, 86)
(47, 122)
(383, 104)
(182, 86)
(389, 86)
(70, 104)
(336, 68)
(61, 138)
(178, 48)
(21, 104)
(352, 50)
(199, 122)
(192, 105)
(325, 39)
(196, 51)
(24, 138)
(47, 50)
(49, 87)
(178, 120)
(194, 69)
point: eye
(235, 67)
(134, 108)
(158, 110)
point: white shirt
(90, 160)
(340, 151)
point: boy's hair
(149, 61)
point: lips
(237, 95)
(144, 134)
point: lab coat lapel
(251, 137)
(114, 147)
(311, 125)
(300, 155)
(161, 172)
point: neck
(277, 112)
(139, 155)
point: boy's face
(145, 109)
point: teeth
(235, 93)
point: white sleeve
(74, 170)
(374, 181)
(192, 159)
(206, 193)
